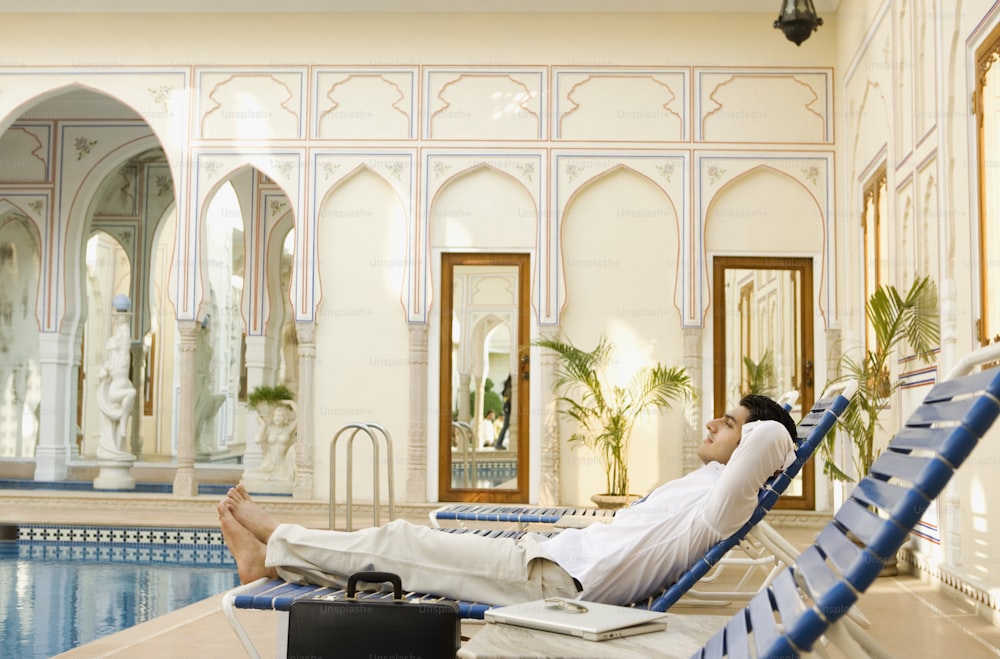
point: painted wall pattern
(543, 134)
(235, 107)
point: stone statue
(115, 393)
(206, 403)
(276, 438)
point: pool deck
(949, 624)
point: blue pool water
(59, 594)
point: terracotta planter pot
(613, 501)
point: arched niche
(219, 356)
(620, 239)
(126, 218)
(764, 242)
(108, 274)
(764, 211)
(483, 208)
(362, 338)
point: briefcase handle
(375, 577)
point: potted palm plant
(264, 397)
(605, 413)
(760, 375)
(893, 317)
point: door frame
(446, 492)
(806, 372)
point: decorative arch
(573, 172)
(470, 359)
(159, 121)
(526, 169)
(468, 171)
(283, 180)
(585, 185)
(332, 169)
(358, 168)
(17, 207)
(800, 182)
(432, 219)
(66, 317)
(340, 180)
(63, 222)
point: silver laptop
(588, 620)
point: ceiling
(326, 6)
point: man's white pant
(462, 566)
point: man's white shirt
(650, 544)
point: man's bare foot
(248, 513)
(248, 551)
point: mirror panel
(484, 389)
(763, 342)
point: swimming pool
(63, 586)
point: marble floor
(910, 615)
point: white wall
(907, 74)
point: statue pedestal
(262, 486)
(115, 475)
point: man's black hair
(763, 408)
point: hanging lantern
(797, 20)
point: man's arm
(764, 449)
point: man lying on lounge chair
(643, 550)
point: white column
(185, 481)
(416, 458)
(464, 400)
(549, 483)
(693, 359)
(303, 488)
(57, 356)
(138, 351)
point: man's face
(723, 436)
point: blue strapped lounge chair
(275, 594)
(812, 430)
(808, 600)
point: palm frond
(603, 412)
(893, 318)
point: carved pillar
(260, 372)
(549, 482)
(185, 482)
(417, 439)
(57, 358)
(138, 354)
(464, 401)
(693, 421)
(303, 488)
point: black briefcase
(368, 627)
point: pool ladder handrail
(374, 431)
(466, 439)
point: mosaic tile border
(122, 536)
(147, 555)
(88, 486)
